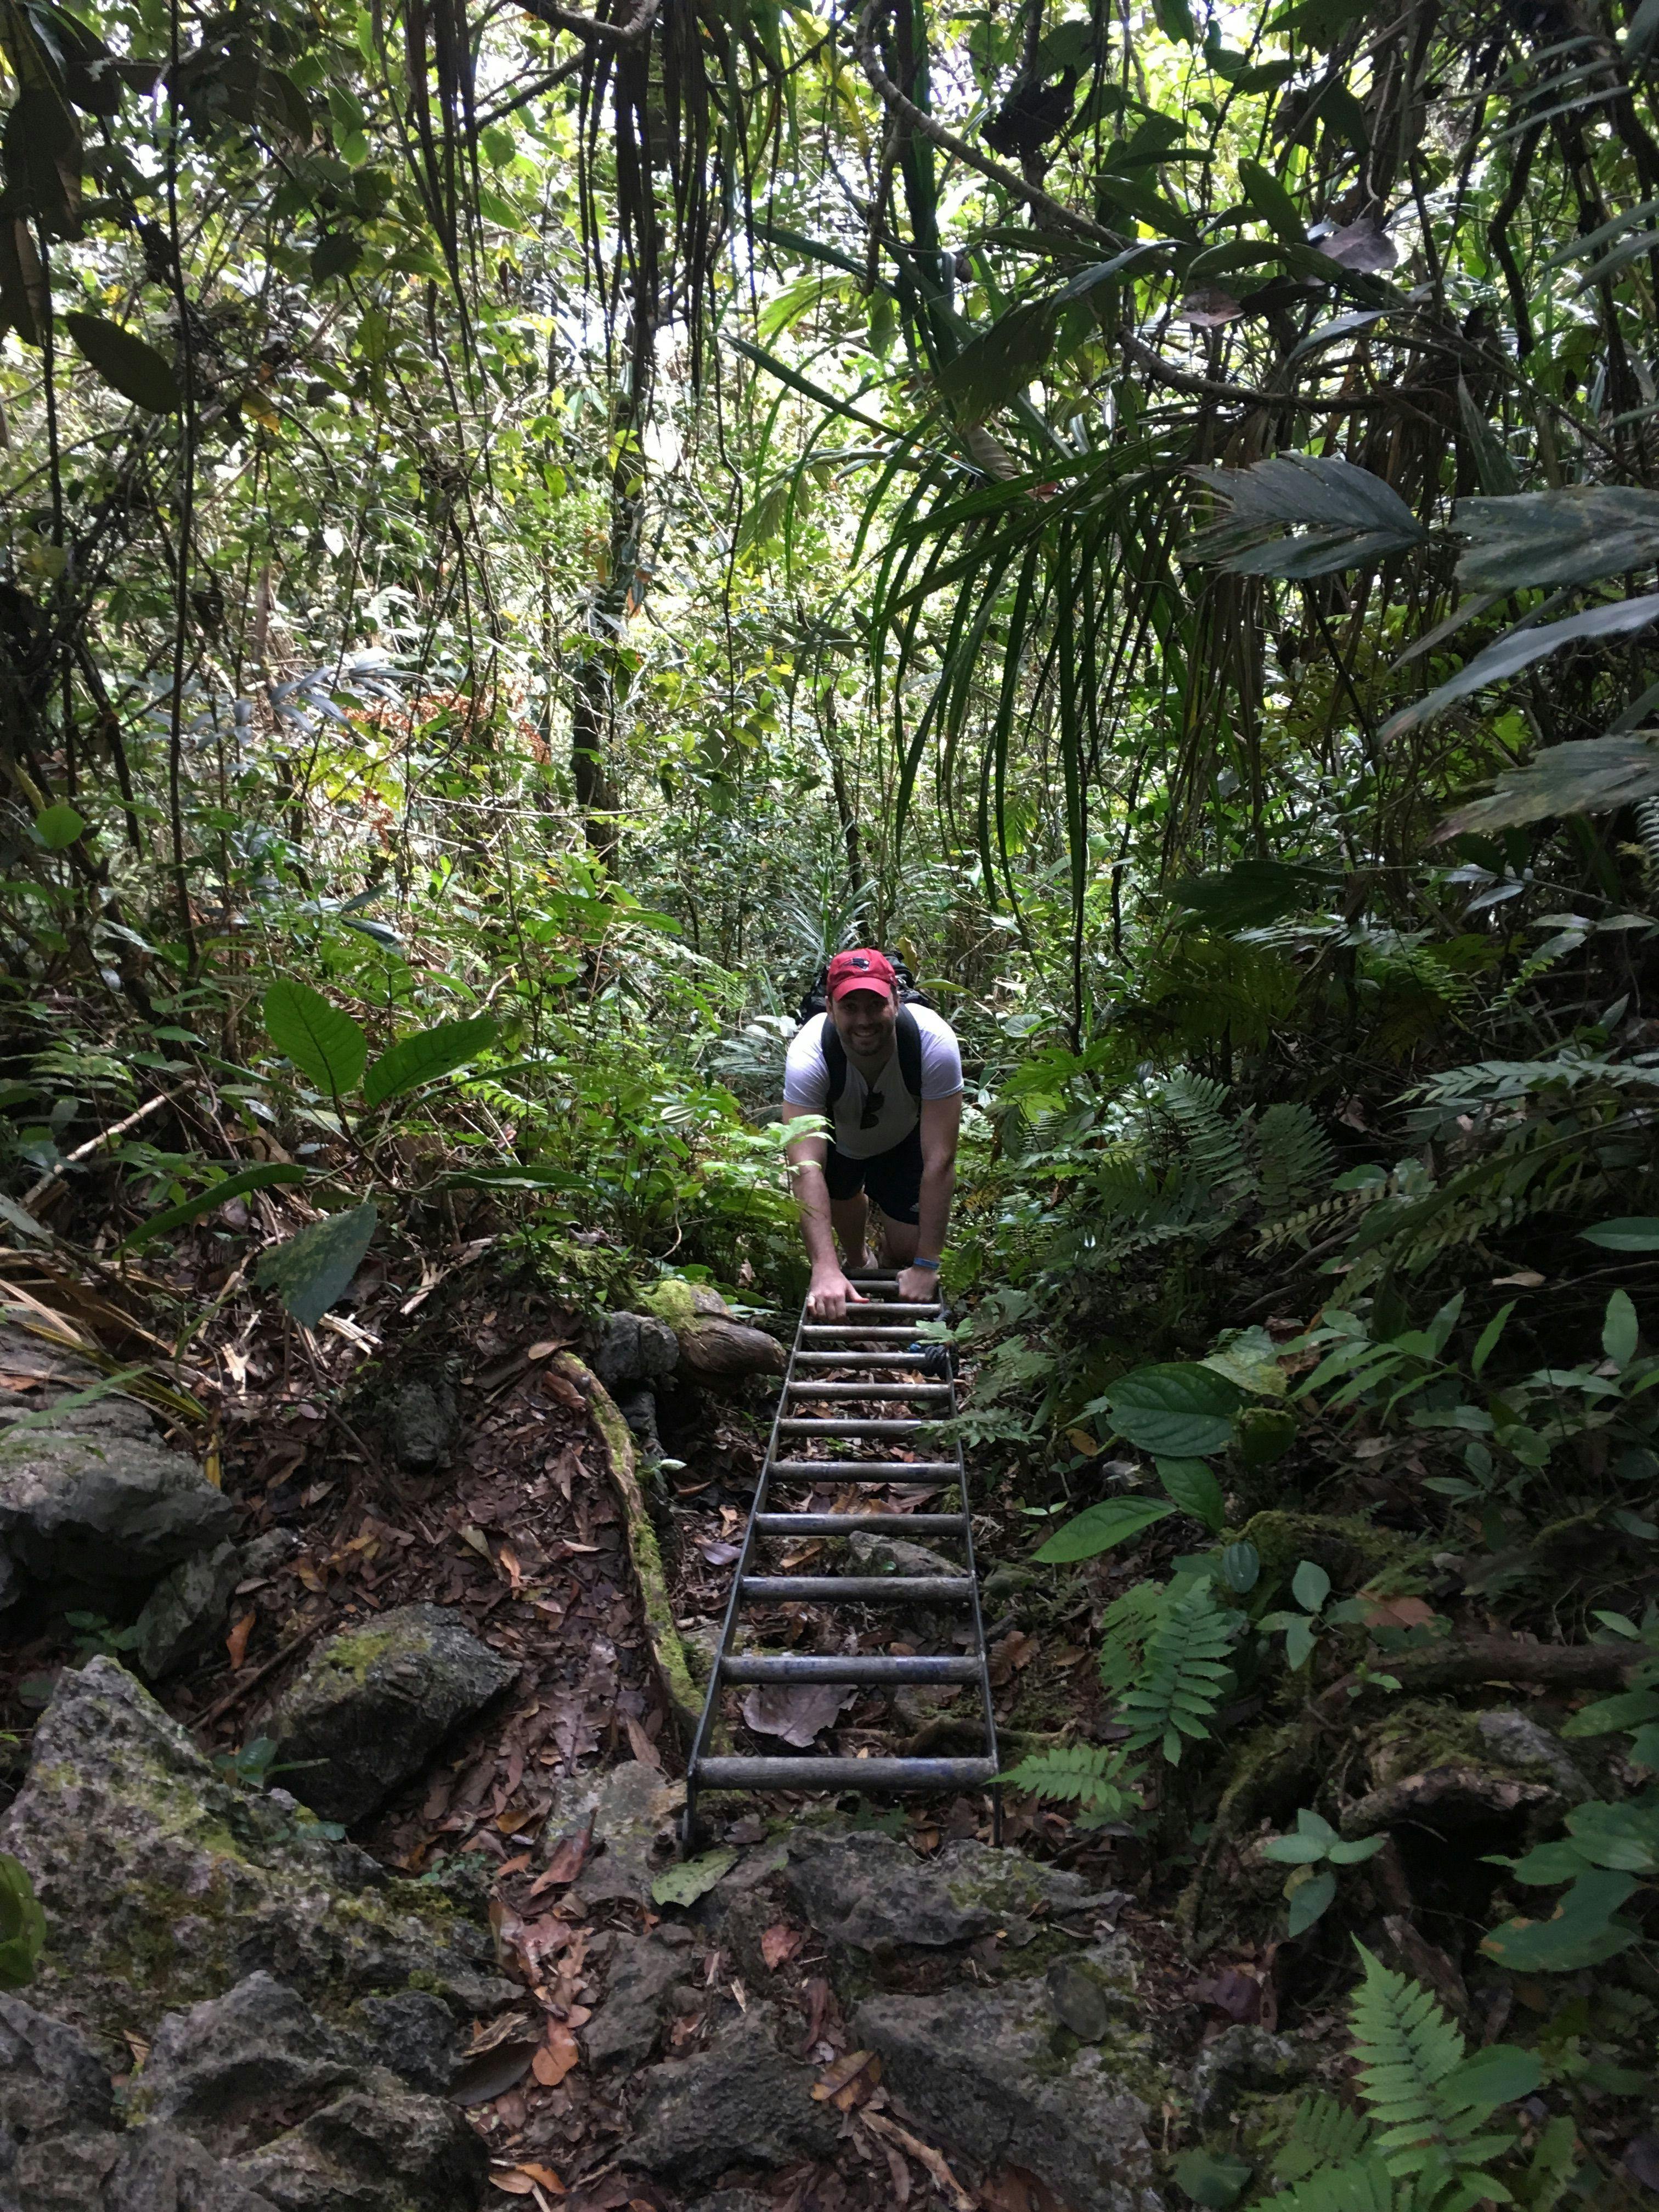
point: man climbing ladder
(888, 1076)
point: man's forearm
(813, 1197)
(938, 1182)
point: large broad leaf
(1339, 516)
(311, 1269)
(690, 1878)
(1098, 1527)
(126, 363)
(1583, 1933)
(1572, 536)
(1177, 1410)
(323, 1042)
(425, 1056)
(1195, 1490)
(217, 1193)
(1634, 1233)
(1520, 649)
(58, 827)
(1586, 776)
(1272, 202)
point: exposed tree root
(667, 1653)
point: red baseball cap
(860, 970)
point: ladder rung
(811, 1669)
(929, 1471)
(861, 1589)
(843, 1774)
(802, 1425)
(844, 1390)
(896, 1525)
(899, 1306)
(865, 1359)
(823, 1328)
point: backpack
(907, 1033)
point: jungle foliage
(525, 531)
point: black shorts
(892, 1179)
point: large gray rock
(370, 2151)
(232, 2070)
(1243, 2061)
(642, 1972)
(185, 1612)
(423, 1421)
(39, 1374)
(994, 2077)
(871, 1891)
(52, 2080)
(374, 1705)
(741, 2102)
(103, 1514)
(157, 2169)
(634, 1348)
(632, 1810)
(411, 2034)
(163, 1883)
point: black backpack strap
(906, 1036)
(834, 1059)
(909, 1031)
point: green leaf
(1518, 650)
(1214, 2183)
(1195, 1490)
(322, 1042)
(1491, 463)
(1294, 1850)
(692, 1878)
(1574, 535)
(1583, 1933)
(1620, 1330)
(1486, 1344)
(425, 1056)
(58, 827)
(1499, 2074)
(1299, 1640)
(1178, 1410)
(997, 364)
(1098, 1527)
(311, 1270)
(1310, 1585)
(1241, 1568)
(1632, 1233)
(1250, 895)
(126, 363)
(1586, 776)
(1339, 516)
(215, 1193)
(1356, 1854)
(1268, 197)
(22, 1925)
(1308, 1900)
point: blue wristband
(932, 1265)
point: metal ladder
(877, 1335)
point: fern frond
(1296, 1156)
(1213, 1140)
(1091, 1775)
(1185, 1675)
(1323, 2133)
(1125, 1628)
(1362, 2184)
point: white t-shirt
(807, 1084)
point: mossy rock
(1351, 1551)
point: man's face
(864, 1021)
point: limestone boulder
(713, 1344)
(741, 2101)
(871, 1892)
(631, 1813)
(375, 1703)
(998, 2078)
(101, 1516)
(163, 1883)
(183, 1613)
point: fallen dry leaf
(643, 1749)
(567, 1862)
(547, 1348)
(779, 1942)
(1395, 1612)
(794, 1714)
(835, 2081)
(555, 2058)
(510, 1823)
(1081, 1441)
(236, 1642)
(558, 1386)
(926, 2155)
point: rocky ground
(369, 1901)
